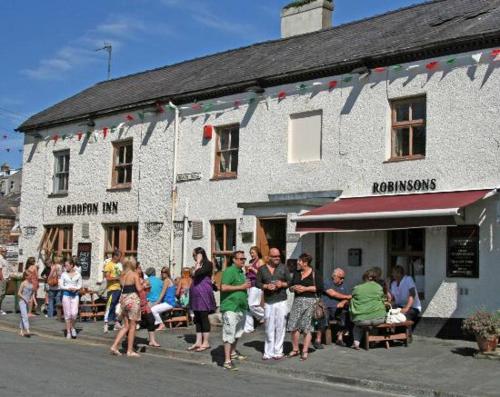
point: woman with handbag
(202, 299)
(53, 292)
(70, 283)
(305, 285)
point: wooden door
(271, 233)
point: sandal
(202, 349)
(114, 352)
(192, 348)
(304, 356)
(293, 353)
(133, 354)
(154, 345)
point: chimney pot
(306, 16)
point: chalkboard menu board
(84, 255)
(463, 251)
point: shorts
(233, 324)
(131, 306)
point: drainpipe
(173, 195)
(185, 233)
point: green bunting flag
(397, 68)
(141, 116)
(302, 88)
(451, 61)
(347, 79)
(207, 107)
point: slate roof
(434, 28)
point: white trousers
(254, 308)
(275, 316)
(158, 309)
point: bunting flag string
(282, 94)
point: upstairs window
(226, 151)
(304, 137)
(408, 129)
(61, 172)
(122, 164)
(223, 242)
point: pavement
(427, 367)
(40, 367)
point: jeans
(113, 299)
(54, 299)
(24, 324)
(3, 288)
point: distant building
(10, 200)
(10, 180)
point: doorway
(271, 233)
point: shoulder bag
(319, 310)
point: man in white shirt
(4, 277)
(404, 294)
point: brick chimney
(304, 16)
(5, 169)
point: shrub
(482, 324)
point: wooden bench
(328, 337)
(93, 311)
(177, 317)
(387, 332)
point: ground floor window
(223, 242)
(407, 249)
(58, 240)
(122, 237)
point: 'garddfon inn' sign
(88, 209)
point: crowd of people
(252, 292)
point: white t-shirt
(4, 265)
(401, 292)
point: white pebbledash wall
(461, 153)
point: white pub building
(373, 143)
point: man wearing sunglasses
(336, 300)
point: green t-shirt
(234, 301)
(367, 302)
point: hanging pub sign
(408, 186)
(463, 251)
(88, 209)
(83, 256)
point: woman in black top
(303, 286)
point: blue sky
(48, 47)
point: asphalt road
(55, 367)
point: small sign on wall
(84, 255)
(463, 251)
(354, 257)
(292, 237)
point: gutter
(173, 195)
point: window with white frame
(304, 136)
(61, 171)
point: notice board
(463, 251)
(84, 255)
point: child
(25, 295)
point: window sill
(122, 188)
(400, 159)
(55, 195)
(224, 177)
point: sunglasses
(275, 256)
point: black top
(308, 282)
(264, 276)
(206, 269)
(129, 289)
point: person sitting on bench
(336, 300)
(367, 305)
(404, 294)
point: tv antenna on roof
(109, 48)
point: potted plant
(485, 326)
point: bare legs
(129, 330)
(305, 347)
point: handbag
(53, 280)
(319, 309)
(395, 316)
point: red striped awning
(390, 212)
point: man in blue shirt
(156, 285)
(336, 300)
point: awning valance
(390, 212)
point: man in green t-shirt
(233, 305)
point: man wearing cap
(4, 277)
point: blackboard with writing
(84, 255)
(463, 251)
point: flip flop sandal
(293, 353)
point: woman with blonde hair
(25, 295)
(131, 306)
(183, 287)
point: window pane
(234, 161)
(235, 138)
(224, 139)
(415, 240)
(402, 112)
(398, 242)
(225, 162)
(419, 140)
(129, 154)
(120, 175)
(402, 142)
(130, 239)
(418, 110)
(230, 237)
(121, 155)
(219, 236)
(66, 163)
(128, 177)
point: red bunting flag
(281, 95)
(159, 107)
(332, 84)
(495, 53)
(55, 138)
(379, 69)
(129, 117)
(196, 106)
(237, 104)
(105, 132)
(432, 65)
(79, 134)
